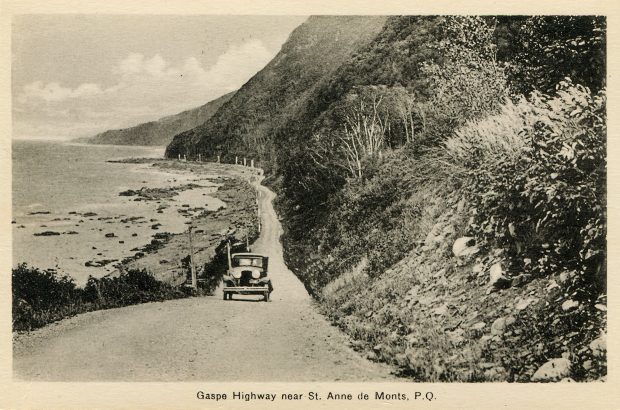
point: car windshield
(247, 261)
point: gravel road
(202, 338)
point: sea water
(55, 184)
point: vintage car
(247, 275)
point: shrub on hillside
(548, 48)
(129, 288)
(535, 177)
(469, 83)
(43, 296)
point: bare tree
(364, 132)
(405, 106)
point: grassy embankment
(480, 260)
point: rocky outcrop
(552, 371)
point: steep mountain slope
(245, 124)
(427, 211)
(161, 131)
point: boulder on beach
(46, 233)
(99, 263)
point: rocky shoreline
(152, 234)
(167, 254)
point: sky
(77, 75)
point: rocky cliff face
(160, 132)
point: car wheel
(225, 295)
(266, 297)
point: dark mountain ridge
(161, 131)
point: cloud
(55, 92)
(146, 88)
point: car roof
(246, 254)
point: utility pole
(258, 211)
(191, 259)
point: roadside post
(191, 258)
(258, 211)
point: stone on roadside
(599, 346)
(521, 279)
(431, 238)
(478, 268)
(497, 280)
(565, 276)
(499, 326)
(441, 310)
(465, 246)
(569, 304)
(478, 326)
(523, 304)
(553, 370)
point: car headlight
(236, 274)
(255, 274)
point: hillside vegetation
(245, 125)
(442, 190)
(161, 131)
